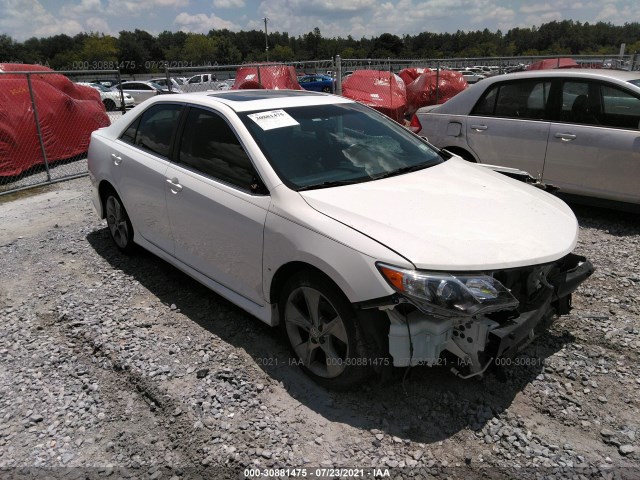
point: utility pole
(266, 38)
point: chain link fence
(46, 117)
(223, 77)
(46, 120)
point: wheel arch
(463, 153)
(104, 188)
(289, 269)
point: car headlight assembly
(447, 294)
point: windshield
(329, 145)
(635, 82)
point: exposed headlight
(448, 294)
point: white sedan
(366, 244)
(111, 99)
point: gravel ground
(124, 367)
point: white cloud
(116, 7)
(202, 23)
(29, 18)
(228, 3)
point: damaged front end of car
(478, 316)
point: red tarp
(271, 77)
(422, 91)
(550, 63)
(378, 89)
(68, 113)
(408, 75)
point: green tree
(100, 49)
(199, 49)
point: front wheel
(119, 224)
(323, 331)
(326, 90)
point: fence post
(338, 75)
(437, 82)
(259, 79)
(166, 74)
(37, 120)
(122, 106)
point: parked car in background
(141, 91)
(576, 129)
(367, 245)
(107, 82)
(176, 86)
(317, 83)
(202, 82)
(471, 77)
(111, 99)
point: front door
(217, 221)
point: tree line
(141, 52)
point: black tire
(326, 90)
(327, 344)
(109, 105)
(118, 222)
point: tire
(118, 222)
(109, 105)
(323, 331)
(326, 90)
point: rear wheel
(326, 90)
(323, 331)
(118, 222)
(110, 105)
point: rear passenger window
(156, 128)
(209, 146)
(523, 99)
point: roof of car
(461, 103)
(622, 75)
(252, 100)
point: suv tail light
(415, 125)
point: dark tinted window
(580, 103)
(156, 129)
(522, 99)
(129, 134)
(210, 146)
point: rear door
(141, 158)
(509, 125)
(594, 145)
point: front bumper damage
(543, 292)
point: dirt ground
(125, 367)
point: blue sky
(22, 19)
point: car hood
(455, 216)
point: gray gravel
(123, 365)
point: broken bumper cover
(544, 291)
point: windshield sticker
(273, 119)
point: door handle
(175, 186)
(116, 159)
(479, 128)
(565, 137)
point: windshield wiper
(333, 183)
(401, 170)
